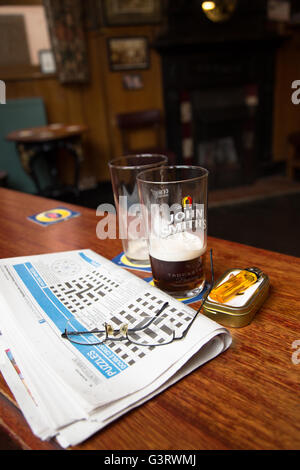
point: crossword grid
(145, 305)
(78, 294)
(82, 292)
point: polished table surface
(246, 398)
(46, 133)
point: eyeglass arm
(203, 300)
(67, 333)
(134, 330)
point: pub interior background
(213, 82)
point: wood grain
(246, 398)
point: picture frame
(128, 53)
(279, 10)
(47, 61)
(131, 12)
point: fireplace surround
(218, 81)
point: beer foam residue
(181, 246)
(137, 249)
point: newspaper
(70, 391)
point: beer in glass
(174, 207)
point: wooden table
(246, 398)
(44, 143)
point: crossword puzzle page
(84, 289)
(75, 388)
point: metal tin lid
(239, 310)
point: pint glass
(124, 171)
(174, 206)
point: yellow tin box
(240, 309)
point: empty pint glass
(124, 171)
(174, 205)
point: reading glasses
(156, 330)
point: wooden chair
(293, 160)
(151, 119)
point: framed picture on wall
(128, 53)
(279, 10)
(131, 12)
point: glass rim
(114, 163)
(205, 173)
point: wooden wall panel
(96, 103)
(120, 100)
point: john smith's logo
(187, 201)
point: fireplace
(218, 89)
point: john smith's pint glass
(174, 207)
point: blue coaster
(53, 216)
(122, 261)
(187, 300)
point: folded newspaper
(68, 390)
